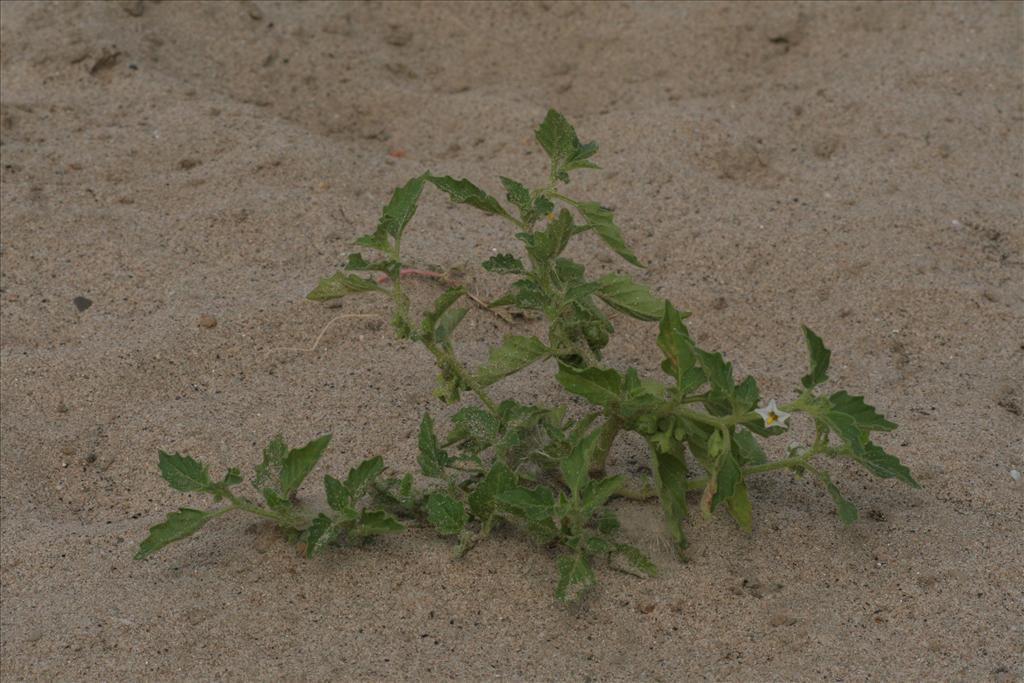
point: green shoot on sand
(539, 468)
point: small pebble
(1015, 475)
(207, 321)
(81, 303)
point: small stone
(1015, 475)
(81, 303)
(647, 607)
(186, 164)
(207, 321)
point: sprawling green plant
(535, 467)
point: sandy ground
(853, 167)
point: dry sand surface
(854, 167)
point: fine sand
(854, 167)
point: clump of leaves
(276, 480)
(531, 466)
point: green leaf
(674, 342)
(518, 195)
(637, 559)
(819, 358)
(357, 262)
(738, 505)
(599, 386)
(184, 473)
(576, 466)
(846, 510)
(602, 221)
(746, 448)
(626, 296)
(447, 323)
(514, 354)
(568, 271)
(342, 284)
(670, 481)
(727, 478)
(719, 372)
(607, 522)
(362, 475)
(482, 499)
(866, 417)
(300, 462)
(376, 523)
(523, 293)
(597, 492)
(558, 138)
(533, 504)
(432, 458)
(574, 577)
(321, 533)
(178, 525)
(746, 397)
(399, 211)
(441, 305)
(464, 192)
(275, 501)
(338, 496)
(232, 477)
(504, 264)
(268, 471)
(883, 465)
(446, 514)
(476, 424)
(598, 546)
(550, 243)
(845, 427)
(378, 239)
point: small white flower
(772, 415)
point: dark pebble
(81, 303)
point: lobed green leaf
(626, 296)
(504, 264)
(300, 462)
(819, 358)
(865, 416)
(515, 353)
(432, 458)
(532, 504)
(574, 577)
(446, 514)
(268, 472)
(376, 523)
(362, 475)
(178, 525)
(184, 473)
(601, 387)
(883, 465)
(602, 221)
(482, 501)
(464, 192)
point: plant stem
(785, 463)
(609, 431)
(726, 421)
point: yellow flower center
(771, 419)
